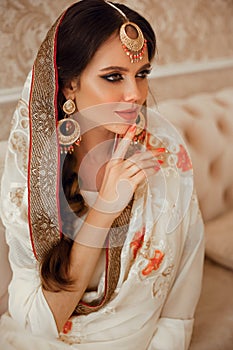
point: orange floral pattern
(184, 161)
(137, 242)
(154, 263)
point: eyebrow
(123, 69)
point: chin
(118, 128)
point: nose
(132, 92)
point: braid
(54, 268)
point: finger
(123, 145)
(141, 165)
(140, 159)
(141, 155)
(159, 151)
(143, 175)
(152, 153)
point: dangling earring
(68, 129)
(140, 130)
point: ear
(70, 90)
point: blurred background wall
(195, 45)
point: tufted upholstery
(206, 123)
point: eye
(144, 73)
(112, 77)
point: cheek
(94, 92)
(144, 89)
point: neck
(95, 138)
(92, 155)
(94, 141)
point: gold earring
(69, 107)
(68, 129)
(140, 123)
(140, 128)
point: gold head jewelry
(133, 42)
(133, 47)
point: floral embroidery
(45, 173)
(153, 142)
(19, 145)
(67, 327)
(184, 161)
(45, 227)
(154, 263)
(16, 196)
(160, 287)
(137, 242)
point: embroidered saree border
(43, 192)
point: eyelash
(116, 77)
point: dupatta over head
(43, 169)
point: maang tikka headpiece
(132, 39)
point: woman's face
(112, 84)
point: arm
(174, 328)
(44, 313)
(119, 183)
(85, 253)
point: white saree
(161, 260)
(153, 304)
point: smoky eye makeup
(144, 73)
(112, 77)
(117, 73)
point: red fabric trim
(56, 116)
(29, 167)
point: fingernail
(160, 150)
(132, 128)
(160, 161)
(157, 168)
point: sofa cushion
(213, 318)
(206, 124)
(219, 239)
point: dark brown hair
(85, 26)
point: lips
(128, 115)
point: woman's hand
(122, 176)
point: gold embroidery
(44, 165)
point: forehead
(111, 53)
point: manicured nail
(160, 161)
(132, 128)
(157, 168)
(160, 150)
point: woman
(105, 235)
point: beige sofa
(206, 123)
